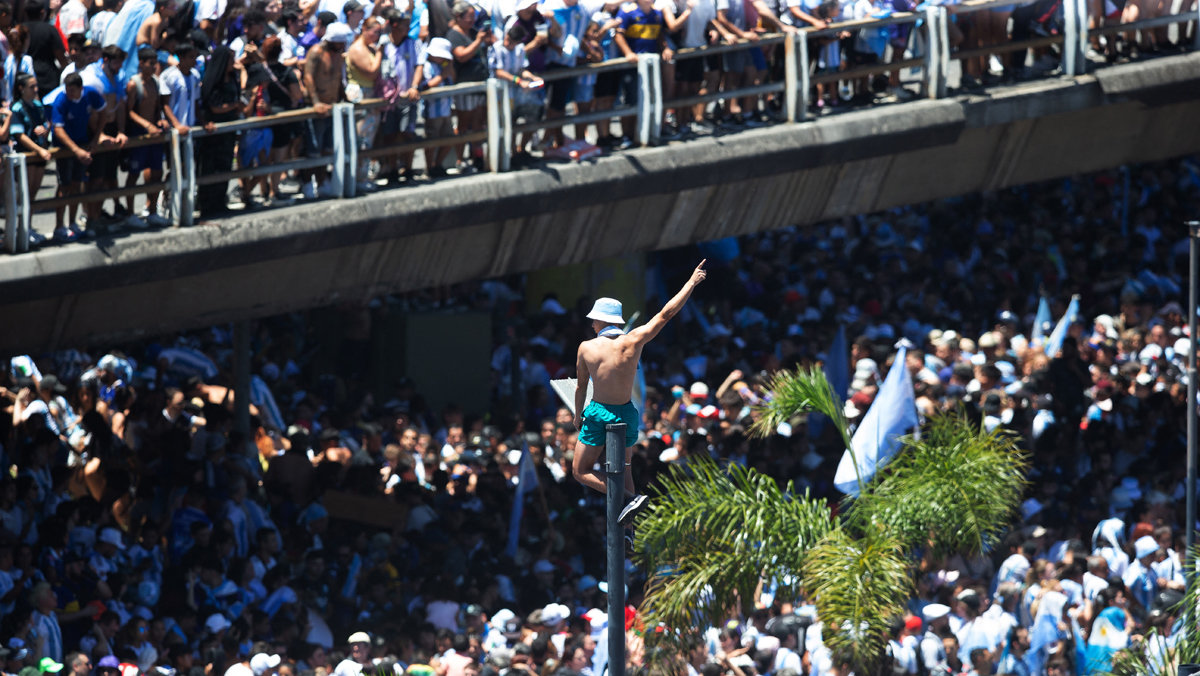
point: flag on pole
(1055, 341)
(877, 439)
(527, 480)
(837, 365)
(1038, 336)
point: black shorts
(629, 87)
(399, 120)
(690, 70)
(104, 164)
(318, 137)
(608, 84)
(70, 170)
(560, 90)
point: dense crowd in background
(90, 76)
(141, 533)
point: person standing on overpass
(610, 361)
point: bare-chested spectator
(146, 119)
(323, 69)
(151, 32)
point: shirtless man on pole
(610, 361)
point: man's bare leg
(583, 466)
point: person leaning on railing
(30, 132)
(283, 94)
(220, 101)
(469, 44)
(399, 78)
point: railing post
(1070, 50)
(495, 123)
(22, 185)
(933, 59)
(1196, 29)
(645, 106)
(174, 166)
(1081, 54)
(656, 86)
(789, 76)
(805, 76)
(506, 117)
(338, 178)
(10, 202)
(187, 196)
(943, 25)
(350, 178)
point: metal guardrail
(933, 21)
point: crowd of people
(140, 532)
(89, 77)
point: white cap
(935, 611)
(440, 48)
(262, 663)
(526, 4)
(1145, 546)
(359, 637)
(340, 33)
(502, 617)
(555, 613)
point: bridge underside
(490, 225)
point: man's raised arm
(652, 328)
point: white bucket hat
(606, 310)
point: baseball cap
(262, 663)
(215, 623)
(339, 33)
(48, 666)
(111, 662)
(359, 637)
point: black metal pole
(614, 451)
(1190, 526)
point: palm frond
(857, 584)
(1154, 655)
(955, 488)
(712, 533)
(792, 392)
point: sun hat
(606, 310)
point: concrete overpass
(496, 224)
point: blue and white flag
(877, 439)
(189, 361)
(1054, 343)
(260, 396)
(837, 365)
(1038, 336)
(527, 480)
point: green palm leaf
(801, 391)
(1152, 656)
(712, 533)
(857, 584)
(955, 489)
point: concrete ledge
(490, 225)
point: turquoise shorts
(597, 415)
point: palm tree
(715, 534)
(1154, 654)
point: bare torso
(612, 364)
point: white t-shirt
(239, 669)
(348, 667)
(182, 92)
(209, 10)
(72, 18)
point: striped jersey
(439, 107)
(574, 20)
